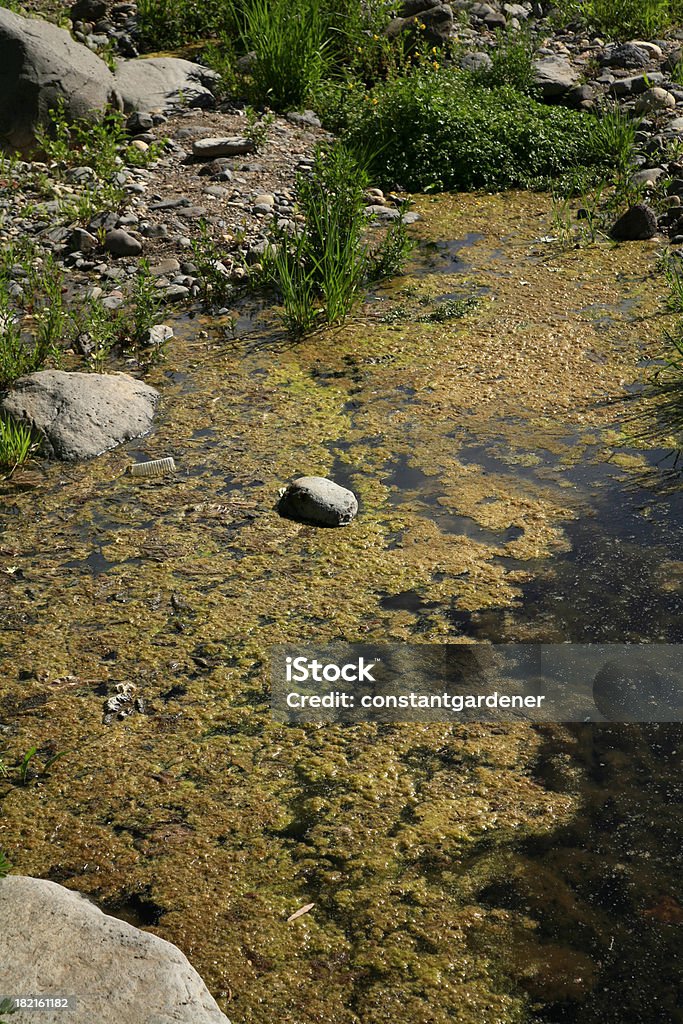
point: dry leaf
(300, 912)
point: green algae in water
(419, 845)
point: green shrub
(436, 130)
(170, 23)
(4, 865)
(622, 18)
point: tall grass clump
(291, 46)
(622, 19)
(321, 269)
(327, 259)
(435, 130)
(16, 444)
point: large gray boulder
(80, 415)
(54, 942)
(39, 65)
(555, 76)
(164, 84)
(318, 501)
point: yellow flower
(375, 100)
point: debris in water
(158, 467)
(300, 912)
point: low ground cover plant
(622, 18)
(436, 129)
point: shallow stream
(488, 874)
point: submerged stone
(314, 499)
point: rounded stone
(318, 501)
(120, 243)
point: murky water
(474, 874)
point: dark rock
(88, 10)
(624, 55)
(41, 64)
(107, 220)
(438, 22)
(321, 502)
(139, 122)
(637, 224)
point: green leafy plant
(389, 258)
(327, 259)
(451, 309)
(258, 127)
(213, 274)
(434, 131)
(101, 330)
(25, 765)
(145, 307)
(19, 355)
(511, 63)
(5, 867)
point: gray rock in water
(637, 224)
(316, 500)
(61, 944)
(120, 243)
(555, 76)
(164, 84)
(80, 415)
(41, 64)
(208, 149)
(627, 689)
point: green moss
(228, 822)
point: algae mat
(458, 873)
